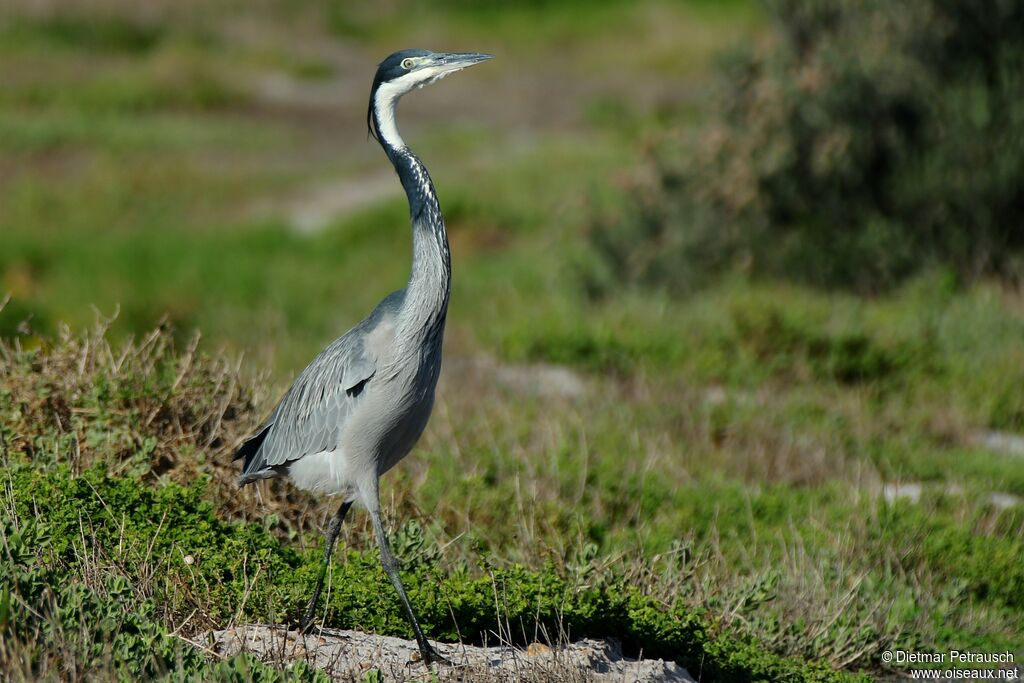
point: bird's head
(408, 69)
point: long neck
(426, 300)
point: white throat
(384, 105)
(386, 100)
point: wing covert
(310, 417)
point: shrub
(102, 578)
(861, 142)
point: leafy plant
(865, 141)
(104, 573)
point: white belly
(324, 472)
(382, 428)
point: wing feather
(310, 417)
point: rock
(350, 655)
(542, 379)
(1000, 442)
(905, 491)
(913, 491)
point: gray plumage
(309, 418)
(362, 403)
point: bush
(863, 141)
(100, 581)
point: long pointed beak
(453, 61)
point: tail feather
(254, 466)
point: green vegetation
(762, 481)
(862, 142)
(171, 556)
(99, 606)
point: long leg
(329, 539)
(387, 558)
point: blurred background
(737, 296)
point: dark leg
(387, 558)
(329, 539)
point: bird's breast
(394, 411)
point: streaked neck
(426, 301)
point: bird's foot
(429, 655)
(308, 624)
(309, 629)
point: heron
(361, 405)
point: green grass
(711, 493)
(147, 533)
(802, 562)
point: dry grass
(508, 473)
(143, 407)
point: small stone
(190, 560)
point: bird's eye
(408, 63)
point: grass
(151, 561)
(766, 558)
(703, 477)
